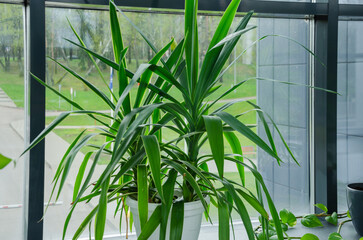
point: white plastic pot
(193, 213)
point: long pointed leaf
(102, 211)
(191, 42)
(247, 132)
(223, 219)
(151, 225)
(236, 149)
(4, 161)
(146, 77)
(215, 137)
(142, 194)
(82, 168)
(177, 220)
(153, 154)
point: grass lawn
(12, 82)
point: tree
(11, 36)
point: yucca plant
(144, 166)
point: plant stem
(340, 215)
(342, 223)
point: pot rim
(133, 202)
(351, 188)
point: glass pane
(286, 104)
(12, 119)
(92, 26)
(351, 1)
(350, 114)
(284, 60)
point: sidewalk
(12, 180)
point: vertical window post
(325, 108)
(36, 65)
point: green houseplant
(141, 165)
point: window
(12, 119)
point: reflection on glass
(11, 119)
(284, 60)
(351, 1)
(350, 114)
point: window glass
(351, 1)
(282, 59)
(350, 114)
(11, 119)
(270, 58)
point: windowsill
(210, 232)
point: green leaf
(333, 219)
(288, 217)
(153, 154)
(106, 61)
(125, 93)
(4, 161)
(177, 221)
(254, 203)
(260, 183)
(247, 132)
(148, 41)
(232, 36)
(142, 194)
(223, 219)
(102, 211)
(348, 214)
(322, 207)
(151, 225)
(311, 221)
(236, 149)
(335, 236)
(241, 209)
(129, 137)
(90, 174)
(215, 137)
(91, 86)
(309, 236)
(92, 59)
(146, 77)
(70, 158)
(225, 54)
(211, 56)
(189, 178)
(168, 189)
(116, 34)
(191, 41)
(84, 224)
(82, 168)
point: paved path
(5, 101)
(12, 181)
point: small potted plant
(162, 181)
(355, 203)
